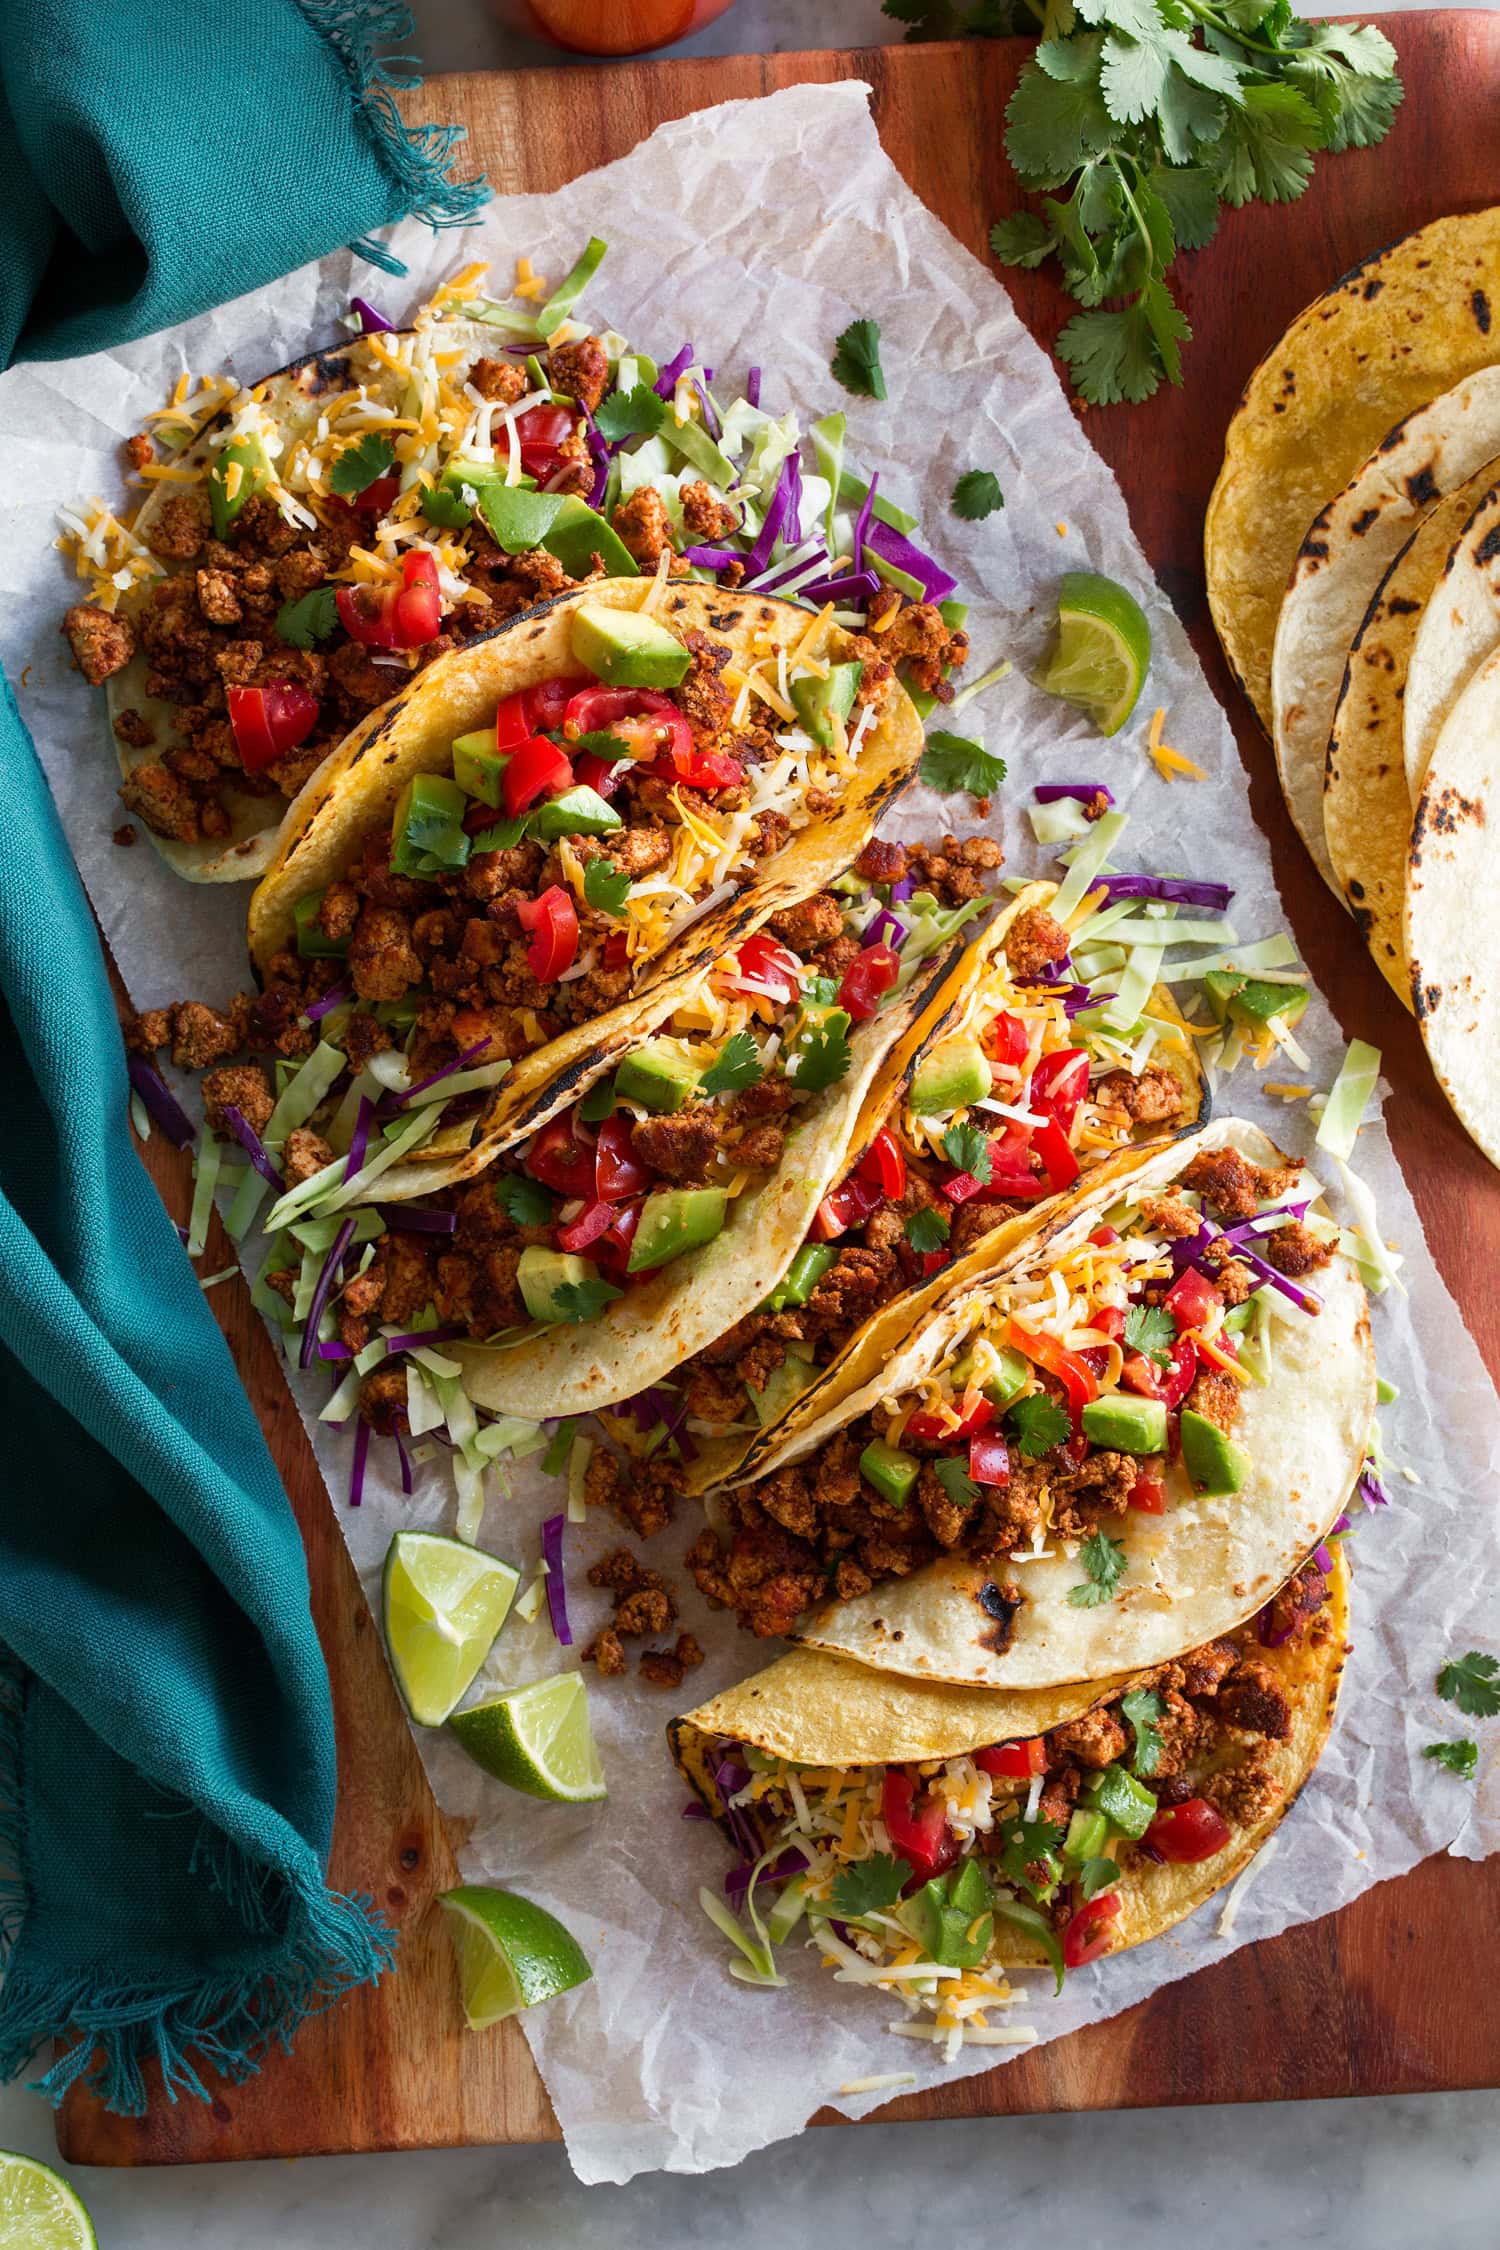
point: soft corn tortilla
(643, 1335)
(721, 1459)
(1449, 935)
(1366, 808)
(354, 794)
(824, 1711)
(1396, 331)
(1457, 630)
(293, 399)
(1340, 564)
(1196, 1572)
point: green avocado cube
(1129, 1425)
(580, 811)
(427, 835)
(312, 944)
(892, 1472)
(817, 702)
(579, 533)
(478, 765)
(516, 519)
(1216, 1466)
(1250, 1002)
(624, 649)
(674, 1220)
(227, 493)
(1125, 1802)
(1088, 1833)
(1010, 1377)
(781, 1389)
(658, 1075)
(954, 1075)
(541, 1273)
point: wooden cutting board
(1379, 1999)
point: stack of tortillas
(1353, 556)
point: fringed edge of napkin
(326, 1944)
(417, 156)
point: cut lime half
(510, 1953)
(538, 1739)
(38, 2209)
(1103, 650)
(443, 1603)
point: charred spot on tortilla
(1488, 550)
(1481, 305)
(323, 371)
(1401, 605)
(1425, 998)
(1371, 289)
(1363, 522)
(1421, 486)
(1452, 810)
(1004, 1609)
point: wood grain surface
(1378, 1999)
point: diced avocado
(818, 701)
(782, 1388)
(955, 1074)
(579, 533)
(478, 765)
(516, 519)
(624, 649)
(1088, 1833)
(948, 1909)
(817, 1016)
(1011, 1375)
(658, 1075)
(577, 812)
(1216, 1466)
(1130, 1425)
(968, 1889)
(228, 492)
(541, 1273)
(1251, 1001)
(427, 835)
(801, 1277)
(892, 1472)
(1125, 1803)
(674, 1220)
(312, 944)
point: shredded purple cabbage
(416, 1337)
(786, 497)
(391, 1103)
(1345, 1523)
(406, 1484)
(791, 1862)
(855, 587)
(666, 381)
(712, 558)
(320, 1295)
(371, 322)
(1052, 793)
(692, 1810)
(361, 1455)
(903, 890)
(1055, 972)
(557, 1593)
(406, 1219)
(886, 929)
(333, 1349)
(893, 547)
(359, 1140)
(599, 455)
(752, 387)
(1215, 896)
(862, 521)
(1371, 1490)
(1307, 1299)
(805, 562)
(1323, 1559)
(333, 998)
(710, 418)
(161, 1103)
(1076, 999)
(251, 1142)
(1265, 1222)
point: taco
(1114, 1445)
(1455, 633)
(501, 878)
(935, 1838)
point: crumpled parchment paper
(758, 230)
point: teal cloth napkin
(167, 1769)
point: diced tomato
(562, 1156)
(649, 725)
(960, 1188)
(1185, 1833)
(598, 774)
(705, 769)
(1111, 1320)
(268, 721)
(544, 707)
(554, 918)
(919, 1832)
(535, 768)
(765, 962)
(1059, 1083)
(583, 1232)
(1014, 1761)
(1178, 1379)
(1013, 1187)
(932, 1261)
(1088, 1933)
(1007, 1039)
(1102, 1237)
(1076, 1448)
(873, 971)
(1071, 1370)
(617, 950)
(1148, 1493)
(884, 1166)
(1095, 1356)
(1059, 1160)
(613, 1252)
(403, 616)
(1010, 1148)
(1192, 1299)
(843, 1207)
(540, 432)
(989, 1458)
(376, 497)
(1141, 1375)
(931, 1429)
(618, 1171)
(514, 721)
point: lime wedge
(510, 1953)
(538, 1739)
(443, 1604)
(38, 2209)
(1103, 650)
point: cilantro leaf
(1096, 1875)
(821, 1053)
(953, 1475)
(446, 508)
(311, 618)
(525, 1201)
(1022, 240)
(1103, 1559)
(500, 836)
(1143, 1707)
(361, 465)
(1470, 1682)
(605, 888)
(856, 360)
(1460, 1757)
(967, 1148)
(583, 1300)
(1053, 124)
(951, 763)
(977, 494)
(1265, 149)
(927, 1230)
(1151, 1331)
(602, 744)
(738, 1065)
(1028, 1854)
(1038, 1424)
(869, 1886)
(633, 413)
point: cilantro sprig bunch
(1134, 121)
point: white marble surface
(1321, 2175)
